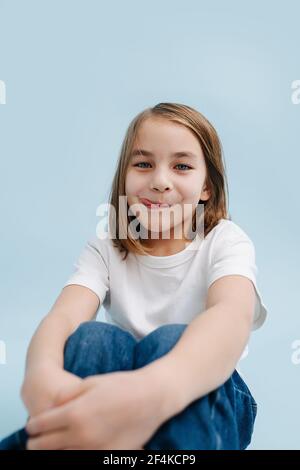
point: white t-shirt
(142, 293)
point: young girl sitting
(177, 280)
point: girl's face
(167, 166)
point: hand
(118, 410)
(42, 386)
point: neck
(165, 246)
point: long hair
(215, 208)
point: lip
(154, 205)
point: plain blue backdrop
(76, 73)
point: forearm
(203, 358)
(47, 343)
(44, 356)
(74, 305)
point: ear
(205, 194)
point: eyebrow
(146, 153)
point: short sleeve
(91, 269)
(233, 252)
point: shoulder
(228, 240)
(232, 252)
(104, 247)
(227, 231)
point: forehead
(156, 133)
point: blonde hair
(215, 208)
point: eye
(141, 163)
(183, 164)
(179, 164)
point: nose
(161, 188)
(160, 182)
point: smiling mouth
(157, 206)
(151, 205)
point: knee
(166, 336)
(85, 331)
(92, 333)
(159, 342)
(84, 335)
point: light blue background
(76, 73)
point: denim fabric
(221, 420)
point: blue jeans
(221, 420)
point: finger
(51, 441)
(50, 420)
(67, 393)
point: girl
(161, 371)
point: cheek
(193, 186)
(133, 184)
(129, 183)
(190, 188)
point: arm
(208, 350)
(74, 305)
(203, 358)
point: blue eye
(140, 163)
(182, 164)
(179, 164)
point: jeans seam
(248, 395)
(218, 438)
(242, 391)
(253, 408)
